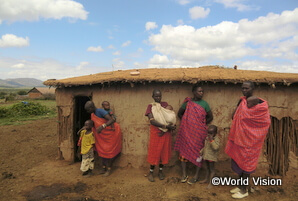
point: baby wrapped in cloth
(165, 116)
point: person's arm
(78, 133)
(215, 144)
(235, 109)
(109, 119)
(157, 124)
(209, 117)
(180, 112)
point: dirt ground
(30, 170)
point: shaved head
(90, 107)
(155, 91)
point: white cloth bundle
(163, 115)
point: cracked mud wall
(129, 103)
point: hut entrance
(80, 116)
(281, 139)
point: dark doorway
(80, 116)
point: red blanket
(159, 149)
(248, 132)
(108, 142)
(192, 132)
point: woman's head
(198, 92)
(247, 88)
(156, 95)
(90, 107)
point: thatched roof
(43, 90)
(190, 75)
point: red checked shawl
(192, 132)
(248, 131)
(108, 142)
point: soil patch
(30, 170)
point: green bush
(27, 109)
(24, 109)
(11, 97)
(2, 94)
(3, 112)
(22, 92)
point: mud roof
(169, 75)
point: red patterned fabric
(108, 142)
(192, 132)
(159, 149)
(248, 132)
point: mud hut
(39, 92)
(129, 92)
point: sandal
(107, 173)
(150, 177)
(192, 181)
(184, 179)
(161, 175)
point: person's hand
(99, 129)
(171, 127)
(161, 134)
(210, 138)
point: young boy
(106, 107)
(252, 101)
(210, 153)
(86, 144)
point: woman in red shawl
(195, 114)
(159, 148)
(248, 131)
(108, 140)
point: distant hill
(21, 82)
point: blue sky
(48, 39)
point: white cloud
(284, 67)
(82, 65)
(150, 25)
(198, 12)
(117, 63)
(184, 2)
(44, 69)
(180, 22)
(272, 37)
(33, 10)
(125, 44)
(95, 49)
(117, 53)
(140, 50)
(111, 47)
(239, 4)
(10, 40)
(159, 59)
(19, 65)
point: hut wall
(35, 94)
(129, 103)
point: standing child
(86, 142)
(106, 107)
(210, 153)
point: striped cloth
(248, 132)
(192, 132)
(108, 142)
(159, 149)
